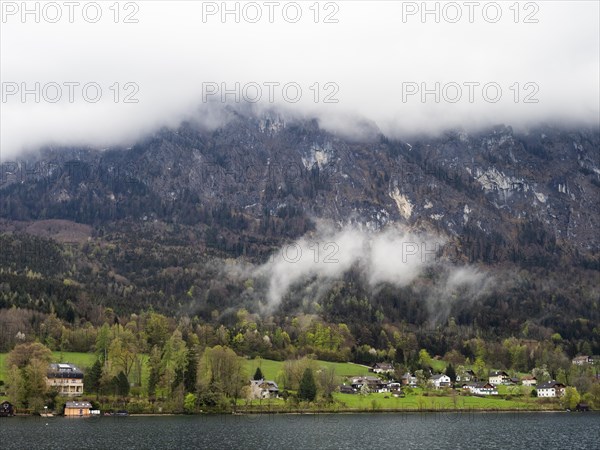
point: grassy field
(438, 365)
(81, 360)
(415, 400)
(3, 366)
(420, 402)
(412, 402)
(269, 368)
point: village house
(466, 376)
(528, 380)
(346, 389)
(6, 409)
(482, 388)
(66, 379)
(394, 385)
(409, 380)
(383, 367)
(373, 384)
(263, 389)
(77, 409)
(551, 389)
(582, 360)
(395, 389)
(499, 377)
(440, 381)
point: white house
(551, 389)
(499, 377)
(481, 388)
(529, 381)
(409, 380)
(263, 389)
(440, 381)
(381, 368)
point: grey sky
(376, 54)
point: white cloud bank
(397, 256)
(373, 57)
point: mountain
(145, 226)
(538, 189)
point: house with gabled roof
(373, 384)
(582, 360)
(6, 409)
(551, 389)
(409, 380)
(346, 389)
(466, 376)
(77, 409)
(382, 367)
(440, 381)
(498, 377)
(263, 389)
(482, 388)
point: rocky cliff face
(500, 194)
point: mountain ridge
(165, 224)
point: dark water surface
(331, 431)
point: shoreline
(324, 412)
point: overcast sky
(374, 58)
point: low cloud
(309, 266)
(155, 72)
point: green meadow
(269, 368)
(415, 400)
(434, 403)
(82, 360)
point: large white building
(66, 379)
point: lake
(330, 431)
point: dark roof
(64, 370)
(550, 384)
(498, 372)
(347, 389)
(6, 409)
(479, 385)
